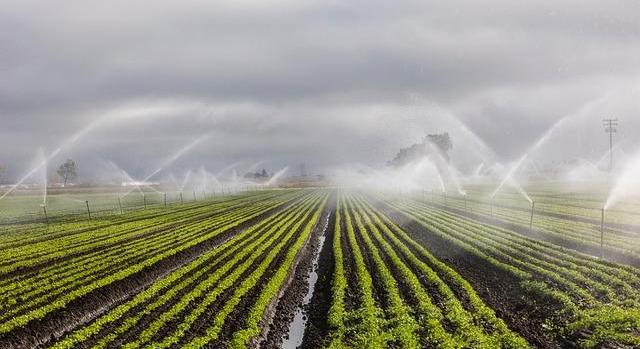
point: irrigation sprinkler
(602, 234)
(444, 197)
(86, 202)
(165, 199)
(194, 196)
(181, 201)
(46, 217)
(432, 199)
(465, 201)
(120, 205)
(144, 201)
(533, 206)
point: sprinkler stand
(86, 202)
(602, 234)
(46, 217)
(533, 205)
(120, 205)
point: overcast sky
(322, 82)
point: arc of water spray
(69, 142)
(185, 180)
(476, 172)
(277, 175)
(510, 173)
(451, 171)
(227, 168)
(172, 159)
(516, 166)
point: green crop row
(200, 232)
(598, 298)
(410, 318)
(165, 290)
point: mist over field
(328, 84)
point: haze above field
(324, 83)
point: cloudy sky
(327, 83)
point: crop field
(324, 268)
(319, 175)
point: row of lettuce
(597, 302)
(40, 278)
(233, 283)
(565, 227)
(416, 301)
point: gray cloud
(326, 83)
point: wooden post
(86, 202)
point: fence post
(86, 202)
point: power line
(610, 127)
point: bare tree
(67, 171)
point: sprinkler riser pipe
(533, 205)
(46, 217)
(120, 205)
(602, 234)
(86, 202)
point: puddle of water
(297, 326)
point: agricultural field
(317, 268)
(319, 175)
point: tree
(67, 171)
(417, 151)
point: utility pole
(610, 128)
